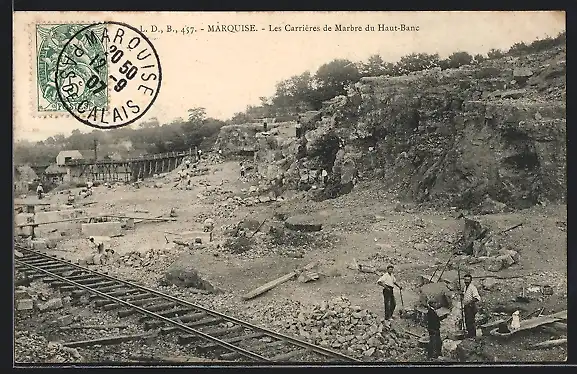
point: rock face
(237, 139)
(493, 134)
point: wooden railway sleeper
(80, 276)
(183, 319)
(115, 288)
(131, 311)
(41, 261)
(204, 322)
(125, 296)
(233, 355)
(102, 284)
(56, 267)
(234, 339)
(118, 293)
(286, 356)
(179, 310)
(147, 303)
(162, 307)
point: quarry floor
(367, 225)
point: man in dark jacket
(434, 328)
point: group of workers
(470, 299)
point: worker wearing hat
(388, 281)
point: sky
(224, 72)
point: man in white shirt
(388, 281)
(470, 299)
(39, 191)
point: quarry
(439, 173)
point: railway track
(209, 331)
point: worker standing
(388, 281)
(298, 128)
(39, 190)
(242, 170)
(434, 329)
(470, 299)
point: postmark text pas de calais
(107, 75)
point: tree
(153, 122)
(196, 115)
(374, 67)
(459, 59)
(417, 62)
(331, 79)
(239, 118)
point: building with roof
(65, 156)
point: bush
(417, 62)
(240, 244)
(479, 58)
(518, 49)
(494, 53)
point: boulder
(522, 73)
(479, 249)
(514, 254)
(435, 293)
(507, 260)
(182, 273)
(493, 264)
(490, 206)
(489, 283)
(492, 247)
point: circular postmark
(108, 75)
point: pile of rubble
(339, 325)
(144, 259)
(486, 247)
(33, 348)
(38, 296)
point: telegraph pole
(95, 150)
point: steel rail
(294, 341)
(239, 350)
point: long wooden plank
(268, 286)
(108, 340)
(272, 284)
(549, 343)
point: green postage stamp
(50, 40)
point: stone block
(20, 294)
(25, 304)
(102, 229)
(303, 223)
(38, 244)
(65, 320)
(57, 215)
(52, 304)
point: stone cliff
(494, 132)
